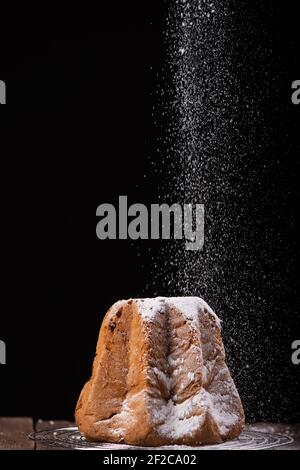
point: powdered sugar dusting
(148, 308)
(165, 379)
(183, 419)
(188, 306)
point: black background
(79, 130)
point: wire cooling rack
(71, 438)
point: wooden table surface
(14, 433)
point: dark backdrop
(79, 130)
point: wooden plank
(14, 434)
(292, 430)
(42, 425)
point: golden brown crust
(159, 377)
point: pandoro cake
(159, 377)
